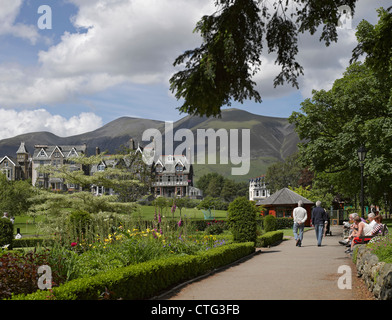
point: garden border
(376, 274)
(144, 280)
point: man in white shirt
(368, 229)
(299, 217)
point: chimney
(97, 151)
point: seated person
(378, 225)
(361, 226)
(352, 227)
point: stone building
(18, 168)
(56, 156)
(174, 177)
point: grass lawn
(27, 225)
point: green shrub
(242, 220)
(144, 280)
(79, 221)
(270, 223)
(6, 233)
(269, 238)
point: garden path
(283, 272)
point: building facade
(258, 189)
(173, 176)
(18, 168)
(56, 156)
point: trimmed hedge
(269, 238)
(145, 280)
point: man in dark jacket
(319, 216)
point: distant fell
(272, 139)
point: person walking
(319, 216)
(299, 217)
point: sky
(74, 65)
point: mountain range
(271, 139)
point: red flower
(73, 244)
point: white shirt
(300, 215)
(368, 228)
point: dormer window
(179, 168)
(159, 168)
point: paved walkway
(280, 272)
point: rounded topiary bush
(270, 223)
(6, 233)
(242, 220)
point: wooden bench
(366, 239)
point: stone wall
(377, 275)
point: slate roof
(22, 148)
(282, 197)
(169, 163)
(65, 150)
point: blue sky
(104, 59)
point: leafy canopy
(222, 67)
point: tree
(285, 174)
(242, 220)
(14, 196)
(130, 178)
(334, 123)
(221, 69)
(211, 184)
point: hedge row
(145, 280)
(281, 223)
(269, 238)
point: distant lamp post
(361, 157)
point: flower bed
(144, 280)
(91, 257)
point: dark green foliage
(270, 223)
(19, 273)
(222, 68)
(242, 220)
(79, 221)
(269, 238)
(6, 232)
(144, 280)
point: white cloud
(8, 13)
(118, 42)
(122, 42)
(15, 123)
